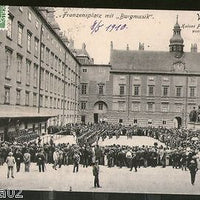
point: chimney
(127, 47)
(194, 48)
(71, 44)
(111, 45)
(50, 14)
(83, 46)
(43, 11)
(141, 46)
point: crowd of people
(180, 149)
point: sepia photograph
(99, 100)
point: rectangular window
(60, 66)
(36, 47)
(179, 107)
(47, 81)
(178, 91)
(135, 121)
(136, 91)
(42, 52)
(84, 88)
(54, 103)
(149, 121)
(28, 69)
(9, 27)
(122, 89)
(136, 106)
(18, 97)
(192, 91)
(8, 63)
(51, 102)
(35, 75)
(56, 63)
(29, 16)
(61, 104)
(29, 41)
(164, 122)
(7, 96)
(100, 106)
(150, 106)
(51, 82)
(34, 99)
(46, 101)
(19, 34)
(19, 68)
(52, 60)
(36, 24)
(151, 90)
(42, 79)
(58, 103)
(121, 106)
(101, 89)
(55, 84)
(165, 91)
(84, 70)
(164, 107)
(27, 98)
(20, 8)
(41, 100)
(83, 105)
(58, 85)
(47, 56)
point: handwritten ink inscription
(97, 25)
(120, 21)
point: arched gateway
(177, 122)
(100, 110)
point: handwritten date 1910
(97, 25)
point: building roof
(159, 61)
(82, 52)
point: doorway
(83, 119)
(96, 118)
(177, 122)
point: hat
(192, 161)
(10, 154)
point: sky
(154, 28)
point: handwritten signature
(97, 25)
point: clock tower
(176, 42)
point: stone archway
(177, 122)
(100, 110)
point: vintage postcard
(99, 100)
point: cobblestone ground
(146, 180)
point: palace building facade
(45, 81)
(145, 88)
(39, 75)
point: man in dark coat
(193, 170)
(19, 159)
(85, 156)
(96, 174)
(76, 161)
(41, 161)
(134, 161)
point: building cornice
(156, 73)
